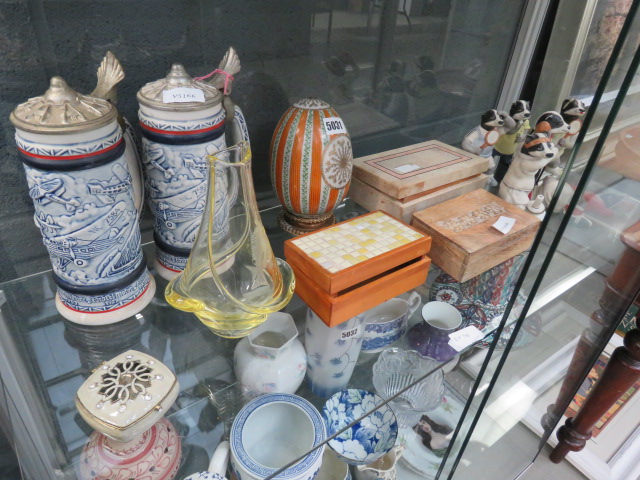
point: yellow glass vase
(232, 280)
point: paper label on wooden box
(182, 95)
(334, 125)
(461, 339)
(504, 224)
(406, 168)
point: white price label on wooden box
(504, 224)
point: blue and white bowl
(272, 431)
(367, 439)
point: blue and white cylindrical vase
(73, 152)
(332, 353)
(182, 121)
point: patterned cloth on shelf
(482, 301)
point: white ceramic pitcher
(217, 467)
(383, 468)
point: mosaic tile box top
(356, 250)
(350, 243)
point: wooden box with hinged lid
(408, 179)
(346, 269)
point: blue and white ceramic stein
(183, 120)
(81, 181)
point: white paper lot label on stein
(178, 131)
(74, 157)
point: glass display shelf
(56, 356)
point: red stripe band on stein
(182, 132)
(72, 157)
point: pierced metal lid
(151, 94)
(62, 110)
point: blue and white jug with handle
(84, 179)
(183, 119)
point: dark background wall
(406, 83)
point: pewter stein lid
(151, 95)
(62, 110)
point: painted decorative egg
(311, 162)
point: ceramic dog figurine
(572, 111)
(481, 139)
(547, 188)
(506, 146)
(519, 181)
(550, 123)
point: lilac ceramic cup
(430, 337)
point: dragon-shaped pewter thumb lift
(231, 65)
(110, 73)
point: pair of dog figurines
(519, 155)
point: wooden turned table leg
(619, 288)
(622, 371)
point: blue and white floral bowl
(367, 439)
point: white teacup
(387, 322)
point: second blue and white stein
(182, 121)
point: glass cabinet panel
(398, 72)
(580, 283)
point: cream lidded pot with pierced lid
(183, 120)
(86, 191)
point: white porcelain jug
(382, 469)
(217, 467)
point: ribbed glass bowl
(395, 370)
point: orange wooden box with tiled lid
(348, 268)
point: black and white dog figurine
(535, 153)
(508, 143)
(551, 123)
(481, 139)
(572, 111)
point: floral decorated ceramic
(311, 162)
(366, 440)
(155, 455)
(332, 353)
(270, 359)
